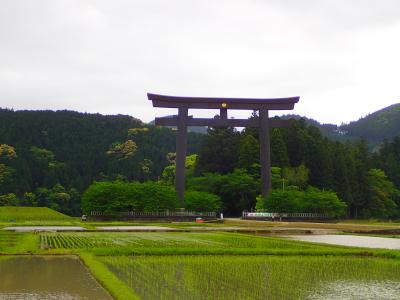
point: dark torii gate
(183, 120)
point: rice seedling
(154, 240)
(245, 277)
(17, 242)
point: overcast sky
(340, 56)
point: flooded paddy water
(47, 278)
(351, 240)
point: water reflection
(47, 278)
(351, 290)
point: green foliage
(123, 150)
(57, 198)
(42, 156)
(276, 177)
(219, 151)
(168, 175)
(312, 200)
(238, 190)
(249, 152)
(202, 201)
(112, 197)
(5, 173)
(7, 152)
(382, 194)
(70, 149)
(9, 200)
(297, 176)
(279, 154)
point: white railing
(271, 215)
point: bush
(238, 190)
(312, 200)
(202, 201)
(9, 200)
(118, 196)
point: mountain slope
(380, 125)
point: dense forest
(374, 128)
(59, 154)
(50, 158)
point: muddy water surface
(47, 277)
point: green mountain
(374, 128)
(380, 125)
(71, 148)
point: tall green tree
(219, 151)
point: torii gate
(183, 120)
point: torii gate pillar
(265, 155)
(182, 121)
(180, 159)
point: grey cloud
(105, 55)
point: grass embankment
(35, 216)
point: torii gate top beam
(217, 103)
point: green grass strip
(118, 289)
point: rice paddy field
(211, 265)
(14, 242)
(249, 277)
(192, 265)
(185, 243)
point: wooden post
(265, 158)
(223, 114)
(181, 145)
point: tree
(123, 150)
(249, 152)
(9, 200)
(341, 175)
(7, 152)
(238, 190)
(168, 175)
(311, 200)
(279, 155)
(297, 176)
(202, 201)
(382, 193)
(219, 151)
(111, 197)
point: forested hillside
(59, 154)
(374, 128)
(302, 157)
(50, 158)
(380, 125)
